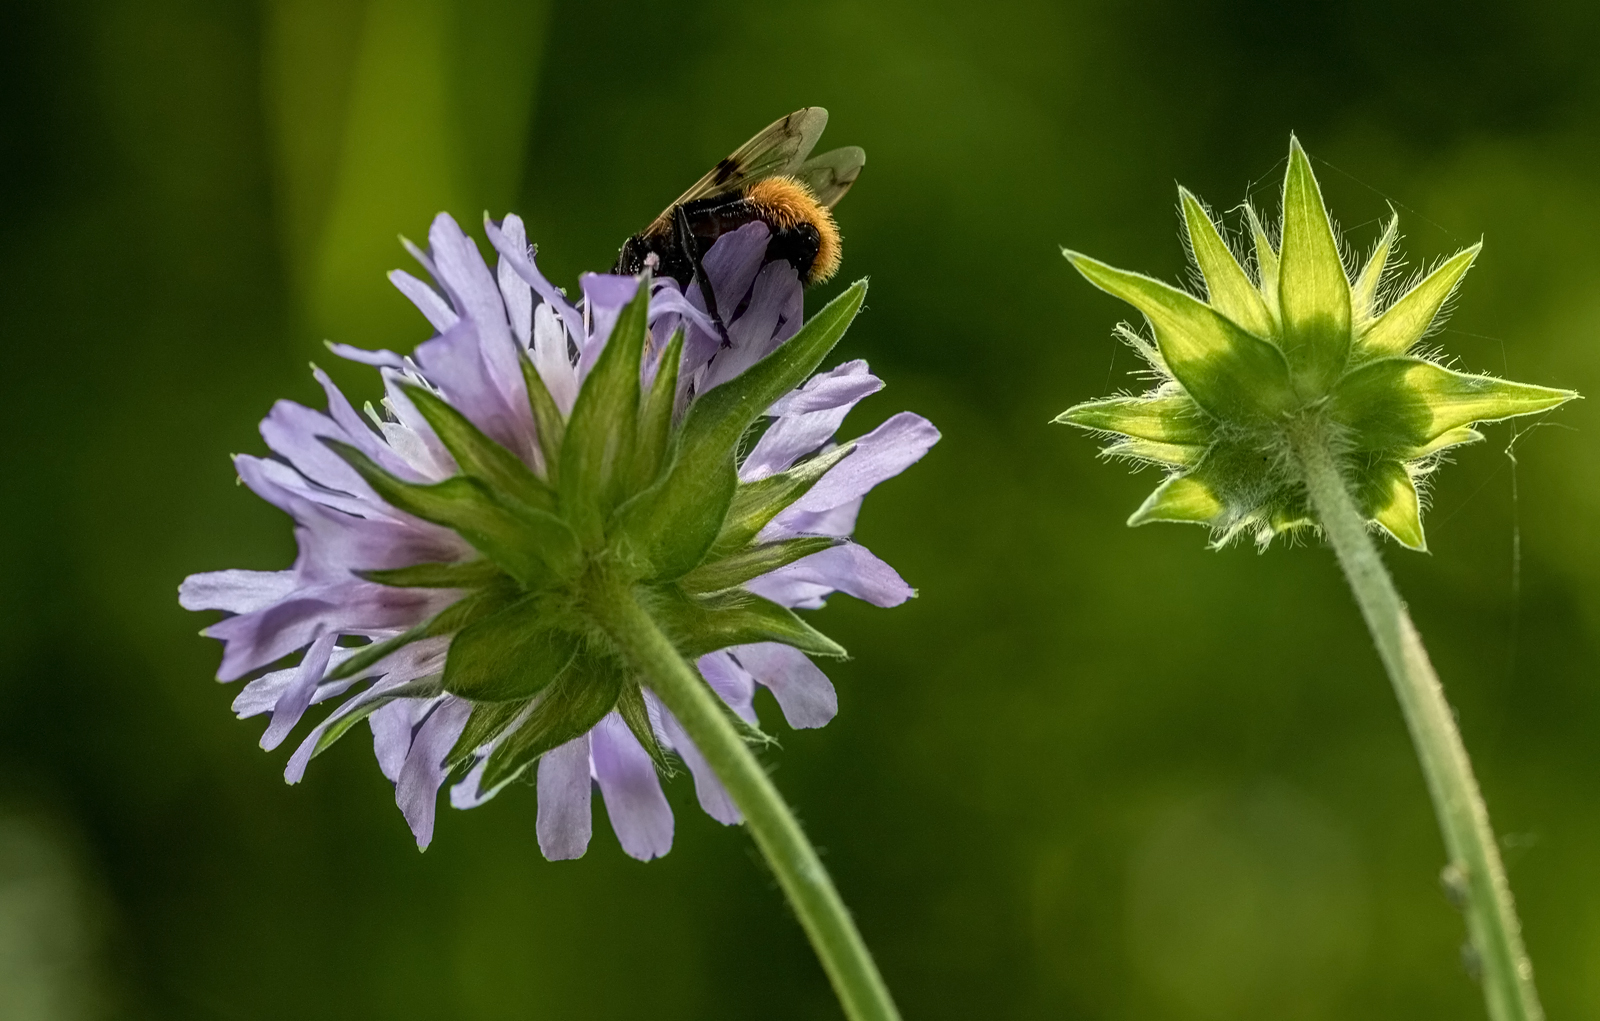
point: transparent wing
(780, 149)
(831, 174)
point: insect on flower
(771, 179)
(534, 463)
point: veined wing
(831, 174)
(780, 149)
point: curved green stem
(1475, 878)
(827, 922)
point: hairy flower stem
(827, 922)
(1474, 878)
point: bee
(772, 178)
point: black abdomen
(707, 220)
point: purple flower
(448, 541)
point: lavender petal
(296, 698)
(632, 791)
(564, 821)
(804, 692)
(235, 591)
(428, 301)
(708, 788)
(417, 790)
(849, 568)
(513, 289)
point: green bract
(1287, 341)
(630, 506)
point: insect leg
(686, 243)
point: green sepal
(1457, 437)
(478, 456)
(451, 619)
(1230, 373)
(1386, 494)
(655, 417)
(1166, 418)
(753, 562)
(597, 452)
(530, 545)
(469, 574)
(1228, 288)
(1177, 455)
(631, 707)
(569, 709)
(422, 687)
(1404, 322)
(701, 624)
(674, 523)
(1364, 293)
(510, 655)
(1313, 291)
(1401, 404)
(1266, 265)
(756, 503)
(1291, 511)
(748, 732)
(485, 721)
(547, 420)
(1183, 499)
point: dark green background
(1091, 773)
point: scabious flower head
(1288, 339)
(534, 459)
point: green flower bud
(1283, 342)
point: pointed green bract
(721, 415)
(477, 455)
(338, 726)
(448, 621)
(1266, 266)
(701, 624)
(1182, 498)
(499, 531)
(1404, 323)
(675, 522)
(1388, 495)
(1407, 403)
(512, 654)
(1313, 291)
(547, 420)
(754, 504)
(753, 562)
(1457, 437)
(1177, 455)
(1228, 289)
(597, 452)
(486, 721)
(1165, 418)
(1228, 372)
(467, 574)
(655, 416)
(568, 709)
(631, 707)
(1364, 293)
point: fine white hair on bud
(1294, 334)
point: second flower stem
(1474, 876)
(822, 913)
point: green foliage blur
(1092, 772)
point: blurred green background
(1091, 773)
